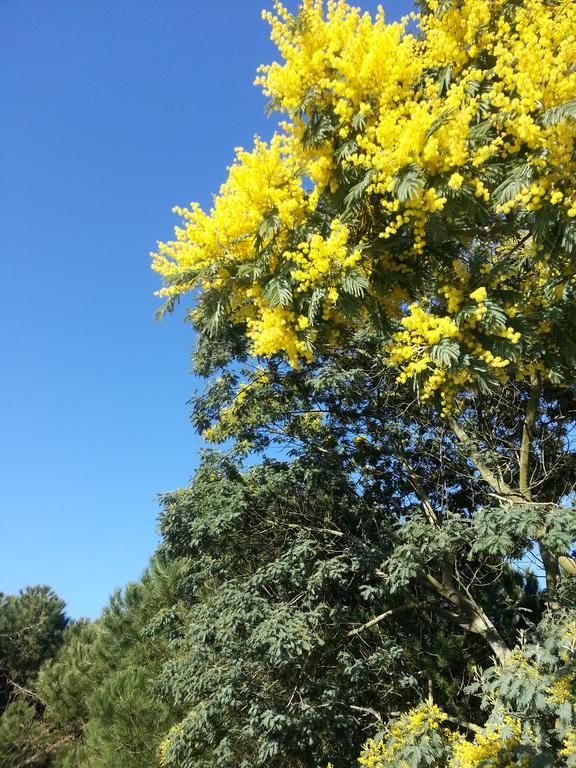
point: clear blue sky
(111, 113)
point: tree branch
(470, 615)
(366, 711)
(464, 724)
(385, 615)
(425, 502)
(496, 483)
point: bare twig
(385, 615)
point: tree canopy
(420, 188)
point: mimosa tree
(400, 260)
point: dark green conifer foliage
(126, 717)
(31, 627)
(24, 741)
(95, 704)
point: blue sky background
(111, 113)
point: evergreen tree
(126, 717)
(95, 704)
(31, 631)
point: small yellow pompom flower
(455, 181)
(479, 294)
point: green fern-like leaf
(213, 313)
(269, 227)
(319, 129)
(520, 177)
(569, 237)
(495, 317)
(408, 182)
(444, 117)
(445, 352)
(315, 306)
(556, 115)
(356, 193)
(355, 283)
(278, 292)
(345, 150)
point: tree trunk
(471, 616)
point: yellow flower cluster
(358, 66)
(428, 127)
(490, 748)
(569, 748)
(505, 741)
(273, 331)
(323, 260)
(165, 744)
(414, 724)
(411, 350)
(261, 182)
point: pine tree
(31, 627)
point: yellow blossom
(347, 217)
